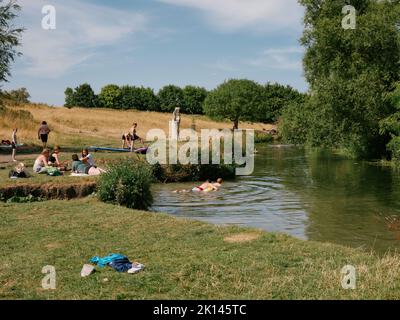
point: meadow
(78, 127)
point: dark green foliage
(193, 172)
(261, 137)
(350, 73)
(10, 36)
(275, 98)
(127, 184)
(193, 100)
(170, 97)
(139, 98)
(390, 126)
(234, 100)
(82, 96)
(28, 199)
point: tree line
(235, 100)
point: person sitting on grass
(83, 168)
(87, 158)
(18, 172)
(205, 187)
(54, 160)
(42, 162)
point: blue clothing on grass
(102, 262)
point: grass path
(184, 259)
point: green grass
(184, 259)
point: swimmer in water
(205, 187)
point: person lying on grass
(205, 187)
(82, 168)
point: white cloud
(259, 15)
(81, 29)
(289, 58)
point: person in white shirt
(87, 158)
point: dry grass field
(77, 126)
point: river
(310, 195)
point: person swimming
(205, 187)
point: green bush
(193, 172)
(261, 137)
(127, 184)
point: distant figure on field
(14, 143)
(43, 133)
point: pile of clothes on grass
(116, 261)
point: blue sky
(157, 42)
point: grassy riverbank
(184, 259)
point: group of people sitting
(47, 161)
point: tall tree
(350, 71)
(110, 97)
(170, 97)
(10, 36)
(193, 100)
(234, 100)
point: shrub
(127, 184)
(261, 137)
(194, 172)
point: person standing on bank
(43, 133)
(14, 143)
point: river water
(310, 195)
